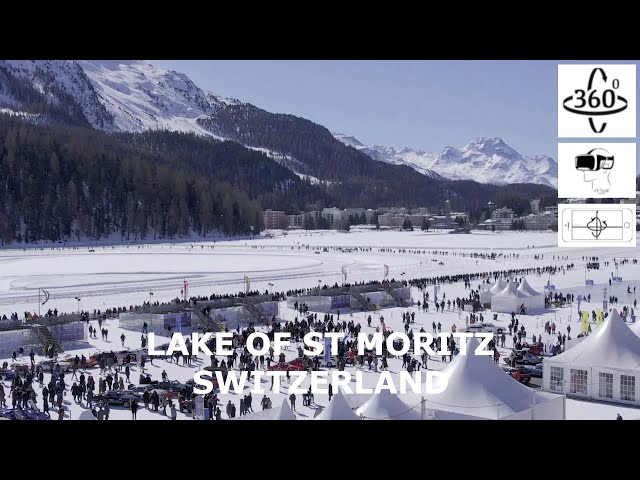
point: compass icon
(597, 226)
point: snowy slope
(134, 96)
(486, 160)
(119, 95)
(144, 97)
(61, 81)
(413, 158)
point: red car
(534, 349)
(294, 366)
(518, 373)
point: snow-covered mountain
(143, 97)
(134, 96)
(119, 95)
(485, 160)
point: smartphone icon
(605, 225)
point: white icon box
(597, 101)
(597, 170)
(595, 225)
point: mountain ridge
(186, 141)
(484, 159)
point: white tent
(338, 409)
(635, 327)
(498, 286)
(509, 299)
(487, 293)
(284, 412)
(478, 387)
(527, 289)
(86, 415)
(535, 300)
(387, 406)
(605, 365)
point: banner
(579, 299)
(386, 271)
(344, 274)
(172, 320)
(585, 322)
(436, 289)
(199, 405)
(327, 350)
(247, 284)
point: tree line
(66, 183)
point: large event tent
(535, 299)
(387, 406)
(498, 286)
(338, 409)
(509, 299)
(283, 412)
(489, 291)
(605, 365)
(478, 388)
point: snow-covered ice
(124, 275)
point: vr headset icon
(593, 162)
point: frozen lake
(124, 275)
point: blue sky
(420, 104)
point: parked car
(530, 359)
(534, 370)
(523, 357)
(518, 373)
(116, 397)
(293, 366)
(484, 327)
(140, 389)
(174, 385)
(20, 413)
(534, 349)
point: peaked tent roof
(511, 291)
(86, 415)
(612, 345)
(479, 387)
(284, 412)
(338, 409)
(635, 327)
(498, 286)
(527, 289)
(387, 406)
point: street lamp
(78, 299)
(319, 282)
(271, 287)
(150, 295)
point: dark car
(20, 413)
(530, 359)
(174, 385)
(519, 373)
(534, 371)
(116, 397)
(140, 389)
